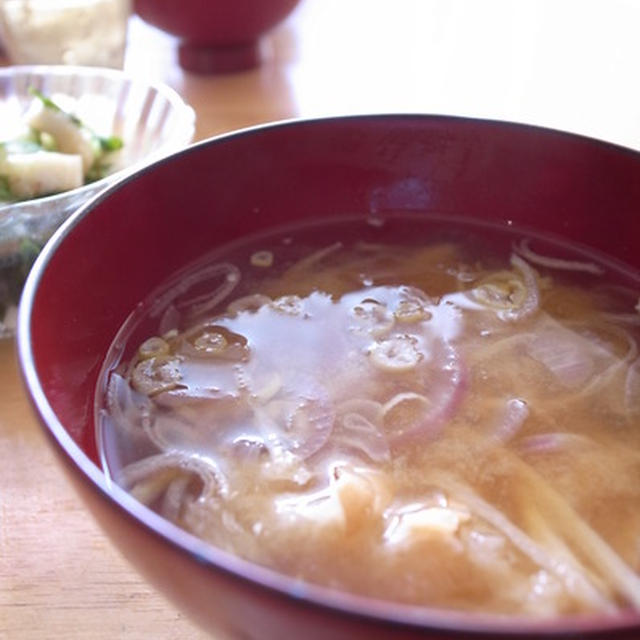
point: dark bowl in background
(216, 36)
(127, 240)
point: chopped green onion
(5, 191)
(50, 104)
(97, 171)
(110, 143)
(47, 102)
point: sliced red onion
(622, 318)
(166, 467)
(553, 442)
(299, 420)
(358, 429)
(601, 347)
(129, 410)
(579, 360)
(173, 433)
(169, 320)
(175, 496)
(177, 398)
(224, 276)
(443, 396)
(632, 389)
(531, 302)
(514, 415)
(313, 422)
(526, 252)
(194, 419)
(316, 257)
(564, 354)
(512, 298)
(214, 283)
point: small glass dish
(152, 120)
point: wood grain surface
(569, 64)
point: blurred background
(568, 64)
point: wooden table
(569, 64)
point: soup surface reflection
(443, 415)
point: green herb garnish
(106, 143)
(111, 143)
(29, 250)
(50, 104)
(5, 191)
(47, 102)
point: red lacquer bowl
(217, 36)
(121, 245)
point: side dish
(54, 152)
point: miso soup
(432, 412)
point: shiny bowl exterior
(82, 289)
(153, 121)
(216, 36)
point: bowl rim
(411, 617)
(182, 136)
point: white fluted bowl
(152, 120)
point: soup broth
(437, 414)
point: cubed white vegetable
(31, 175)
(69, 137)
